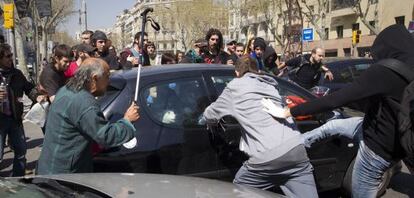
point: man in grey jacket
(277, 157)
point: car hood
(157, 185)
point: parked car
(171, 140)
(123, 185)
(345, 71)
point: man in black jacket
(306, 70)
(99, 40)
(12, 108)
(382, 87)
(52, 77)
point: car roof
(120, 78)
(330, 60)
(160, 69)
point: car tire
(346, 189)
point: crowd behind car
(74, 76)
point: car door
(329, 157)
(170, 138)
(174, 103)
(226, 134)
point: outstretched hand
(329, 75)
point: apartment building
(337, 20)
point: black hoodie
(377, 84)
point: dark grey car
(124, 185)
(172, 141)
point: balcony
(342, 8)
(342, 4)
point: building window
(373, 1)
(172, 45)
(331, 53)
(372, 23)
(164, 45)
(400, 20)
(340, 31)
(326, 33)
(347, 52)
(355, 26)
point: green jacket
(74, 121)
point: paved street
(402, 185)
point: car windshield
(16, 189)
(44, 187)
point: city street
(402, 184)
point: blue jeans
(349, 127)
(14, 129)
(367, 173)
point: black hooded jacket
(377, 84)
(18, 86)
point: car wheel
(347, 182)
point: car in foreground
(171, 140)
(123, 185)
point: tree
(316, 16)
(190, 20)
(362, 14)
(64, 38)
(19, 44)
(280, 17)
(61, 10)
(117, 40)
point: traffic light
(356, 35)
(8, 15)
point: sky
(100, 13)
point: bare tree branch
(317, 19)
(357, 8)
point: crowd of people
(75, 76)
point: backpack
(406, 106)
(293, 71)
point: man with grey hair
(306, 70)
(75, 120)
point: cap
(200, 42)
(233, 42)
(259, 42)
(85, 48)
(99, 35)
